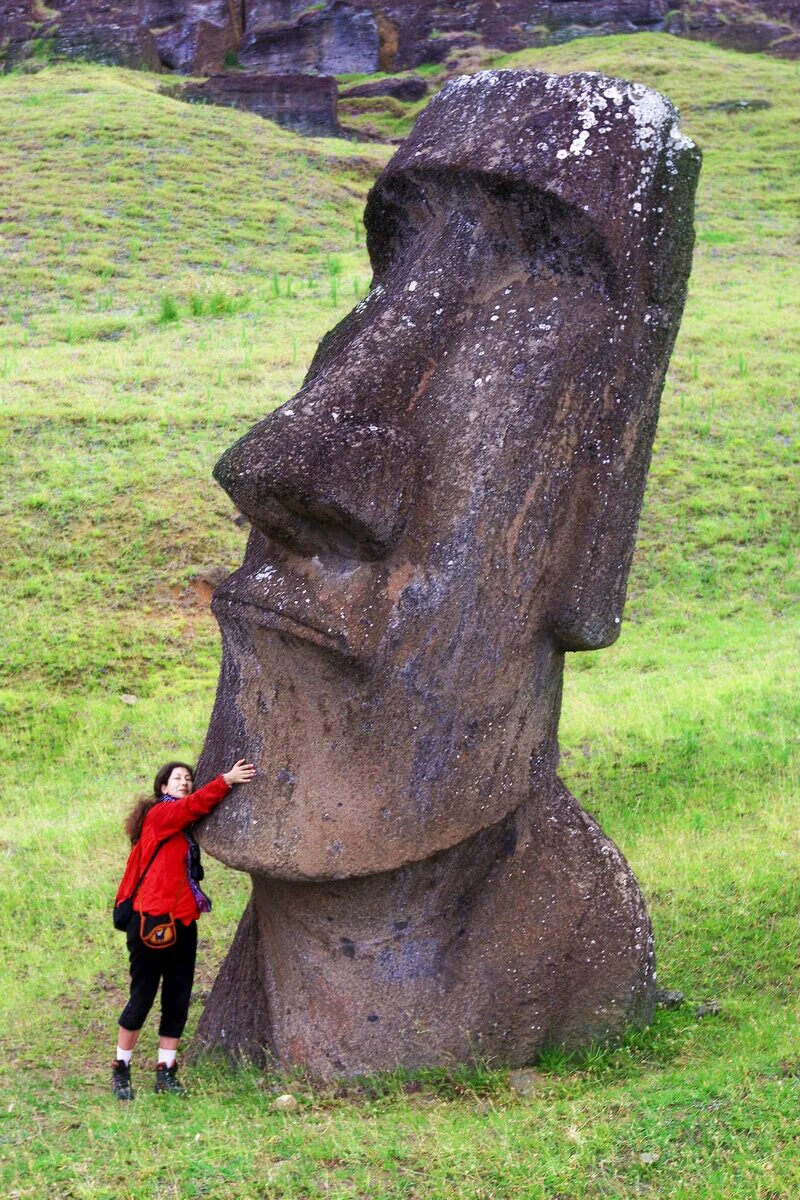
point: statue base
(531, 933)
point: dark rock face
(334, 38)
(17, 25)
(342, 36)
(446, 507)
(193, 38)
(304, 103)
(769, 26)
(104, 31)
(410, 88)
(426, 33)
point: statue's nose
(321, 485)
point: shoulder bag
(123, 912)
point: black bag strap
(147, 868)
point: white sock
(167, 1057)
(124, 1056)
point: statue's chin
(309, 837)
(335, 799)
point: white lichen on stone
(679, 139)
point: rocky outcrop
(107, 33)
(362, 36)
(194, 38)
(427, 33)
(101, 30)
(334, 38)
(409, 88)
(18, 29)
(771, 27)
(189, 36)
(303, 103)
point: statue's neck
(533, 925)
(348, 960)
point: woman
(163, 875)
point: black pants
(173, 968)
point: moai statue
(446, 507)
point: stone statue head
(449, 503)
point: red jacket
(166, 885)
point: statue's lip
(227, 606)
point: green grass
(166, 273)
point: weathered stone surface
(340, 36)
(183, 35)
(304, 103)
(408, 88)
(426, 33)
(446, 507)
(193, 38)
(104, 31)
(334, 39)
(737, 25)
(17, 26)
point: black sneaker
(121, 1084)
(166, 1079)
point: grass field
(166, 273)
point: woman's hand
(240, 772)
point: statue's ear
(596, 526)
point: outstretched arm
(166, 819)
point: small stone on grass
(526, 1082)
(712, 1009)
(669, 998)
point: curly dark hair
(143, 804)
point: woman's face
(179, 783)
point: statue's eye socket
(513, 219)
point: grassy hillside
(166, 273)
